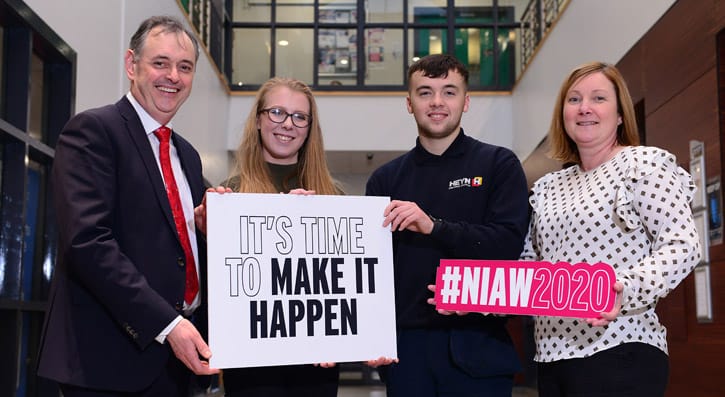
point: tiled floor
(353, 377)
(379, 391)
(361, 391)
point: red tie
(192, 282)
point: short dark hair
(168, 25)
(438, 65)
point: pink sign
(530, 288)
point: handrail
(206, 18)
(536, 22)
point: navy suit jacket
(119, 279)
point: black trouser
(630, 369)
(173, 381)
(281, 381)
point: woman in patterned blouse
(622, 204)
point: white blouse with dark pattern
(632, 212)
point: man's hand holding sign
(528, 288)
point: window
(369, 44)
(37, 72)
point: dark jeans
(427, 370)
(630, 369)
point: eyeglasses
(279, 116)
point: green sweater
(284, 178)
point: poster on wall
(337, 14)
(375, 40)
(298, 279)
(337, 51)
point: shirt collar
(149, 124)
(456, 148)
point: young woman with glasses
(282, 151)
(282, 148)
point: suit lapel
(141, 141)
(191, 171)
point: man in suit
(118, 321)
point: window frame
(361, 27)
(29, 239)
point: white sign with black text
(296, 279)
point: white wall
(97, 42)
(383, 123)
(100, 42)
(589, 30)
(212, 121)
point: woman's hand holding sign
(608, 317)
(301, 192)
(200, 210)
(381, 361)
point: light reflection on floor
(376, 391)
(379, 391)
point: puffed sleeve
(655, 194)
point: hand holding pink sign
(526, 288)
